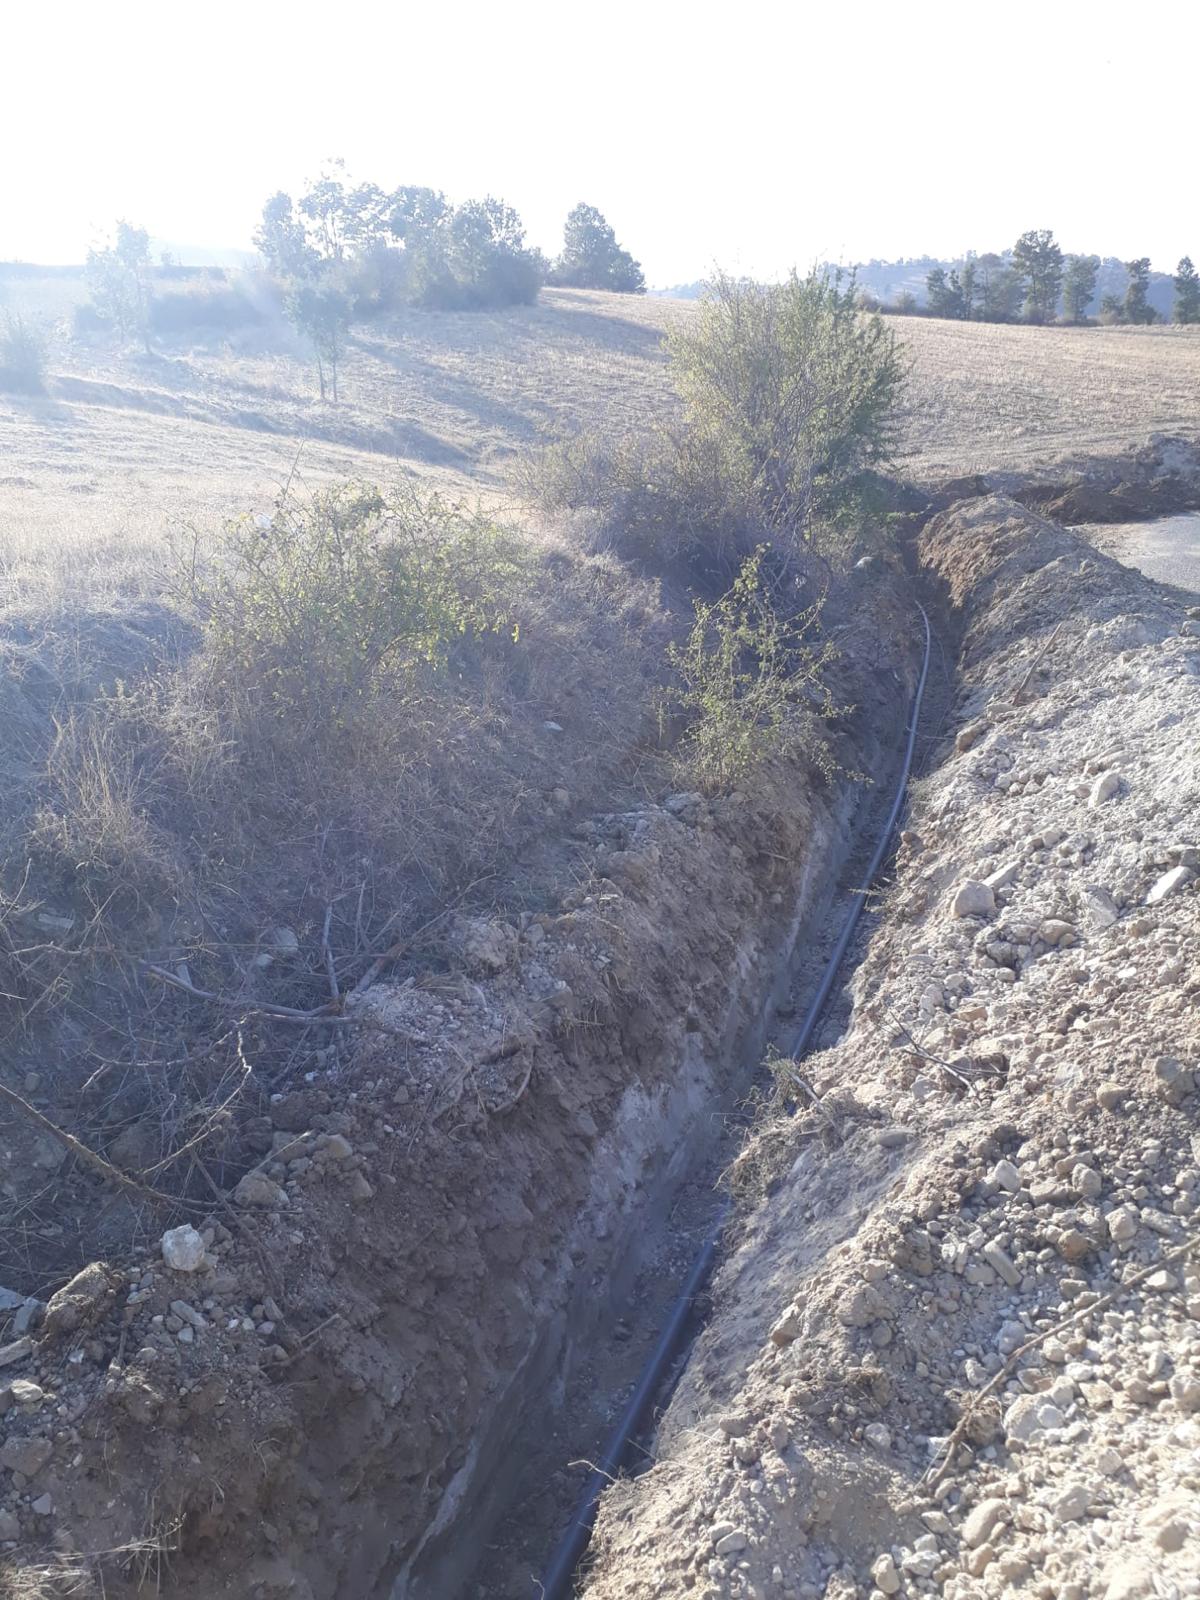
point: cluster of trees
(343, 252)
(1035, 278)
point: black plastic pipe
(556, 1584)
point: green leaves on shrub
(751, 684)
(315, 613)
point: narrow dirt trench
(565, 1428)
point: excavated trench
(521, 1483)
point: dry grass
(987, 397)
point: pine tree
(1187, 292)
(591, 257)
(1079, 286)
(1137, 305)
(1038, 262)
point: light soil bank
(956, 1340)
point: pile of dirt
(956, 1345)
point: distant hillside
(888, 279)
(679, 291)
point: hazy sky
(750, 135)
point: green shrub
(314, 616)
(22, 356)
(791, 395)
(792, 391)
(751, 684)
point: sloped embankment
(956, 1345)
(312, 1390)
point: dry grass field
(93, 475)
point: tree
(1038, 263)
(999, 288)
(1137, 307)
(967, 280)
(1079, 286)
(1187, 292)
(320, 309)
(591, 257)
(119, 279)
(1112, 309)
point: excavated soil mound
(956, 1344)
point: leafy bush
(790, 396)
(792, 390)
(22, 356)
(751, 683)
(315, 616)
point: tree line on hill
(342, 253)
(1035, 282)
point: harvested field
(93, 475)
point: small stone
(731, 1543)
(1172, 1080)
(981, 1522)
(26, 1393)
(1105, 786)
(1001, 1262)
(1003, 876)
(42, 1506)
(736, 1426)
(1185, 1391)
(188, 1314)
(1086, 1181)
(16, 1351)
(183, 1249)
(1110, 1096)
(10, 1527)
(1170, 883)
(973, 899)
(878, 1436)
(883, 1571)
(1005, 1176)
(1071, 1504)
(1122, 1224)
(1110, 1462)
(1162, 1280)
(258, 1191)
(337, 1147)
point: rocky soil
(956, 1343)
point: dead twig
(334, 992)
(927, 1055)
(329, 1012)
(89, 1158)
(1019, 691)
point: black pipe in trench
(556, 1584)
